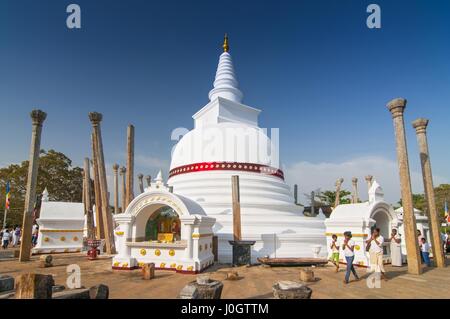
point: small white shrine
(166, 229)
(60, 227)
(421, 224)
(361, 219)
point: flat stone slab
(72, 294)
(99, 292)
(189, 292)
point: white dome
(225, 142)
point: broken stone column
(141, 182)
(433, 218)
(148, 271)
(338, 192)
(130, 164)
(95, 119)
(149, 180)
(313, 204)
(116, 188)
(355, 190)
(369, 180)
(34, 286)
(45, 261)
(397, 107)
(123, 171)
(37, 118)
(307, 275)
(295, 194)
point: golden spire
(225, 43)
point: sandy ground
(255, 282)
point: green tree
(419, 202)
(329, 197)
(63, 182)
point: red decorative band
(226, 166)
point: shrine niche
(166, 229)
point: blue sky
(313, 67)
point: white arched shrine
(361, 219)
(190, 251)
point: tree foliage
(63, 182)
(329, 197)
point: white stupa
(227, 141)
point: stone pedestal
(34, 286)
(148, 271)
(291, 290)
(202, 288)
(242, 252)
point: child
(334, 252)
(425, 251)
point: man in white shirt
(349, 252)
(375, 244)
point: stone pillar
(37, 118)
(421, 131)
(355, 190)
(123, 171)
(141, 182)
(369, 180)
(397, 107)
(313, 203)
(149, 180)
(107, 218)
(237, 235)
(130, 164)
(337, 201)
(295, 194)
(116, 188)
(99, 231)
(87, 200)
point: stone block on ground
(34, 286)
(99, 292)
(232, 275)
(81, 293)
(148, 271)
(6, 283)
(307, 275)
(45, 261)
(291, 290)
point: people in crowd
(425, 251)
(334, 252)
(5, 238)
(396, 250)
(419, 240)
(375, 247)
(349, 252)
(16, 236)
(34, 236)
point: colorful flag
(8, 195)
(447, 216)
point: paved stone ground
(255, 282)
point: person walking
(5, 238)
(375, 245)
(425, 252)
(349, 252)
(396, 249)
(419, 240)
(16, 236)
(334, 252)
